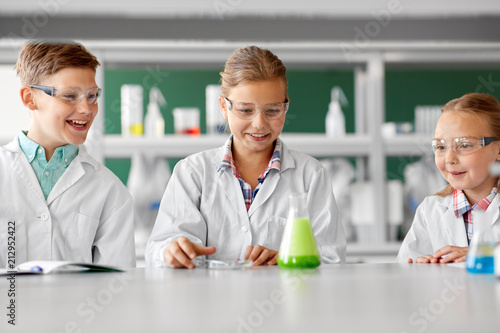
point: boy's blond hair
(40, 59)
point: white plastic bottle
(215, 119)
(335, 120)
(131, 110)
(154, 124)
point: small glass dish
(202, 262)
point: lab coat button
(44, 216)
(244, 228)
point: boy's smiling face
(55, 123)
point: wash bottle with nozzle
(335, 119)
(154, 122)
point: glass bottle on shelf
(298, 246)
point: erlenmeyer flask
(480, 253)
(298, 246)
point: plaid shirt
(462, 207)
(227, 162)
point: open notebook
(46, 267)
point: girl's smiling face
(256, 135)
(470, 173)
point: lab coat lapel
(24, 170)
(230, 186)
(454, 225)
(272, 180)
(73, 173)
(494, 210)
(265, 191)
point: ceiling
(355, 21)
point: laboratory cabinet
(381, 80)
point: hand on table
(180, 252)
(451, 253)
(261, 255)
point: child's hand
(424, 260)
(452, 253)
(180, 252)
(261, 255)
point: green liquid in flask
(298, 248)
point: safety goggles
(462, 146)
(249, 111)
(71, 95)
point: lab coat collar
(73, 173)
(272, 179)
(83, 155)
(22, 167)
(68, 178)
(455, 226)
(233, 191)
(287, 161)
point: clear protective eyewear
(249, 111)
(71, 95)
(462, 146)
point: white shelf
(408, 145)
(317, 145)
(368, 62)
(363, 249)
(177, 146)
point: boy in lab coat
(466, 144)
(56, 201)
(232, 202)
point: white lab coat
(87, 217)
(207, 207)
(435, 226)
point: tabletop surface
(341, 298)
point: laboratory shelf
(370, 62)
(370, 252)
(408, 145)
(179, 146)
(317, 145)
(389, 248)
(171, 146)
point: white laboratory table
(335, 298)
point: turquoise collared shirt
(47, 173)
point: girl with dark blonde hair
(232, 202)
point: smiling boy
(65, 204)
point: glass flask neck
(298, 205)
